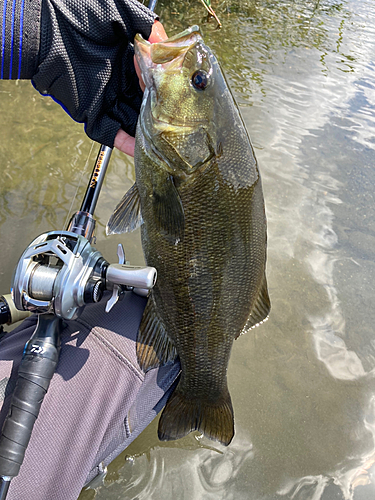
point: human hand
(123, 141)
(85, 63)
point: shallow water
(302, 384)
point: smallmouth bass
(199, 201)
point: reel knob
(94, 290)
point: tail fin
(182, 415)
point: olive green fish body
(204, 230)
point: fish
(199, 202)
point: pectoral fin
(154, 347)
(127, 215)
(260, 310)
(168, 210)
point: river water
(302, 384)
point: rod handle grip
(35, 372)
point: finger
(158, 33)
(124, 142)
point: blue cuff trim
(58, 102)
(21, 34)
(3, 40)
(12, 40)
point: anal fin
(154, 347)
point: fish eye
(200, 79)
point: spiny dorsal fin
(154, 347)
(127, 215)
(261, 309)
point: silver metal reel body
(60, 272)
(52, 274)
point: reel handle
(132, 276)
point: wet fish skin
(203, 228)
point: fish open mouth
(163, 122)
(149, 54)
(169, 53)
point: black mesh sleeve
(86, 62)
(19, 28)
(81, 54)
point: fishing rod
(58, 274)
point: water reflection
(196, 468)
(352, 480)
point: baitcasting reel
(60, 272)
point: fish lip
(161, 125)
(177, 40)
(183, 34)
(179, 127)
(142, 50)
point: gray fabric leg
(98, 402)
